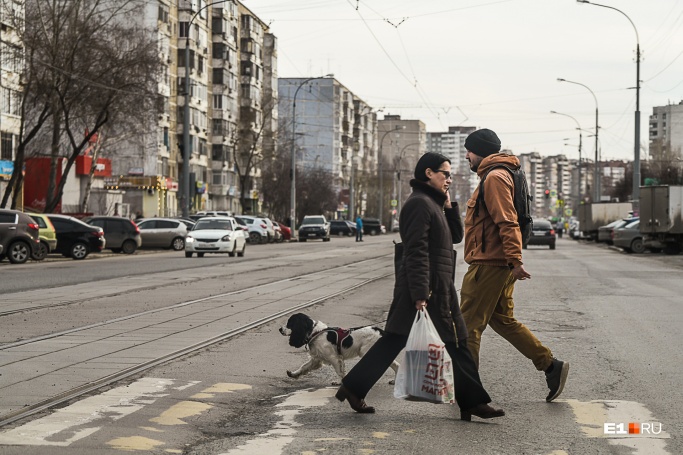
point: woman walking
(429, 226)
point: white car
(217, 234)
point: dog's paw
(392, 382)
(291, 375)
(335, 383)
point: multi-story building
(401, 144)
(452, 145)
(11, 68)
(666, 133)
(231, 68)
(334, 130)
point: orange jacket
(497, 219)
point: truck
(661, 218)
(596, 214)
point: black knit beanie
(429, 160)
(483, 142)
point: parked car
(342, 227)
(75, 238)
(605, 232)
(19, 236)
(542, 234)
(163, 233)
(286, 231)
(219, 234)
(270, 227)
(629, 238)
(372, 226)
(47, 234)
(121, 233)
(187, 222)
(279, 237)
(258, 229)
(314, 227)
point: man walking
(359, 229)
(493, 249)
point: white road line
(81, 419)
(593, 415)
(274, 441)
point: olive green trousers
(486, 299)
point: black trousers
(469, 392)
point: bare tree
(91, 63)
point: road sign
(394, 202)
(553, 193)
(567, 212)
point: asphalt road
(615, 317)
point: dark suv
(371, 226)
(75, 238)
(19, 236)
(314, 227)
(122, 234)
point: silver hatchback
(163, 233)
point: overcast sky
(492, 63)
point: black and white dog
(328, 345)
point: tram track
(123, 373)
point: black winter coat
(426, 268)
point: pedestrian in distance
(359, 229)
(429, 225)
(493, 250)
(559, 227)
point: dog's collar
(314, 335)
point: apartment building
(333, 130)
(666, 133)
(11, 67)
(231, 68)
(452, 145)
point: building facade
(401, 143)
(11, 68)
(666, 133)
(333, 130)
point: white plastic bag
(426, 372)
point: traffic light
(547, 194)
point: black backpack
(522, 200)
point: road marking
(137, 443)
(275, 440)
(593, 415)
(380, 435)
(222, 387)
(83, 418)
(179, 411)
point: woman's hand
(420, 304)
(447, 204)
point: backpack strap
(480, 198)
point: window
(163, 14)
(6, 147)
(218, 78)
(11, 101)
(146, 225)
(200, 64)
(165, 224)
(8, 218)
(183, 30)
(218, 50)
(217, 152)
(181, 58)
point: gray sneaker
(556, 379)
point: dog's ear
(301, 327)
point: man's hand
(519, 273)
(420, 304)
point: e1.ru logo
(633, 428)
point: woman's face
(440, 179)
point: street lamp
(185, 206)
(636, 146)
(292, 170)
(596, 174)
(580, 140)
(381, 177)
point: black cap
(483, 142)
(429, 160)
